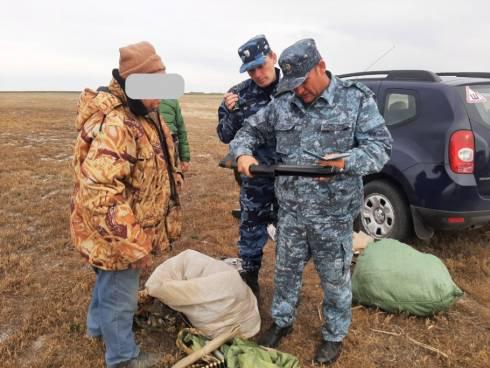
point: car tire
(384, 212)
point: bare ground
(45, 286)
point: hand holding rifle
(244, 162)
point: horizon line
(71, 91)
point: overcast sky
(69, 45)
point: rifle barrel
(282, 170)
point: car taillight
(462, 151)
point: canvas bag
(397, 278)
(209, 292)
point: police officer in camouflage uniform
(257, 194)
(324, 115)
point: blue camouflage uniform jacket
(252, 98)
(345, 118)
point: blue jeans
(110, 314)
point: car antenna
(379, 58)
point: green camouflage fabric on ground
(246, 354)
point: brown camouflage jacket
(121, 184)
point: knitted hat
(140, 57)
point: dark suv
(438, 177)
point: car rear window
(477, 99)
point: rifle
(229, 162)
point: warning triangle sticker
(473, 97)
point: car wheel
(384, 213)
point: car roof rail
(411, 75)
(465, 74)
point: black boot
(251, 278)
(328, 352)
(273, 335)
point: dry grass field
(45, 286)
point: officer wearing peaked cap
(257, 194)
(318, 112)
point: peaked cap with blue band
(253, 53)
(295, 62)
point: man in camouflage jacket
(120, 200)
(324, 115)
(257, 200)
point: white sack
(209, 292)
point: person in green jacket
(171, 114)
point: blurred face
(151, 105)
(265, 74)
(315, 83)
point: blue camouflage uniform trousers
(257, 200)
(315, 217)
(257, 205)
(329, 243)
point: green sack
(397, 278)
